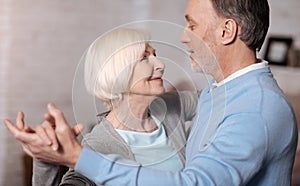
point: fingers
(51, 134)
(20, 120)
(19, 134)
(28, 129)
(63, 131)
(77, 129)
(58, 116)
(50, 119)
(41, 132)
(11, 127)
(19, 124)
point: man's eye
(192, 27)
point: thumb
(77, 129)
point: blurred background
(41, 43)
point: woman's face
(147, 74)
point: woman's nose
(158, 65)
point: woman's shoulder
(105, 139)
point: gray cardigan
(172, 109)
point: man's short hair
(251, 16)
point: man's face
(200, 34)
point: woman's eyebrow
(148, 51)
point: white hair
(109, 62)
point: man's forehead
(191, 10)
(197, 8)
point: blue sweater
(245, 133)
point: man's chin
(196, 68)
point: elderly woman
(143, 123)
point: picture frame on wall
(277, 50)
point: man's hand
(53, 141)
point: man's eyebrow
(189, 19)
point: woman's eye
(144, 58)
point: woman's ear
(228, 31)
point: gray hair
(251, 15)
(109, 62)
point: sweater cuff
(88, 162)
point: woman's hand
(53, 141)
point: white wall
(285, 20)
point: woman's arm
(189, 102)
(45, 174)
(75, 179)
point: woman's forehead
(149, 48)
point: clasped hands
(53, 141)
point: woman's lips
(156, 79)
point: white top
(152, 149)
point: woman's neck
(132, 114)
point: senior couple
(243, 129)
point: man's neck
(234, 58)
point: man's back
(251, 140)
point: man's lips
(192, 56)
(191, 51)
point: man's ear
(228, 31)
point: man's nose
(184, 36)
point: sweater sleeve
(103, 168)
(189, 102)
(75, 179)
(45, 174)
